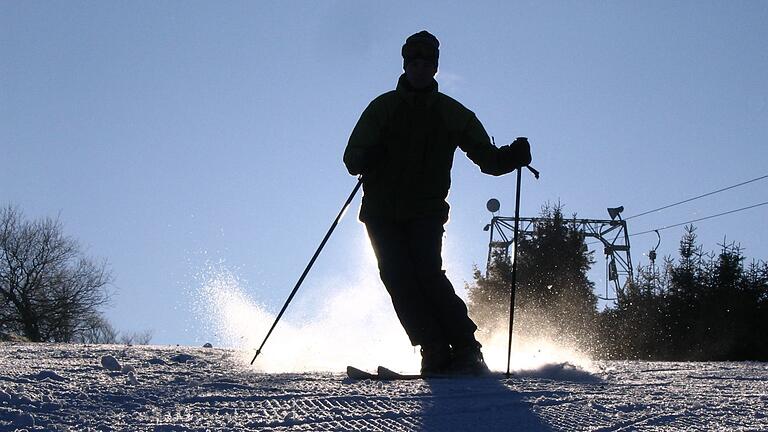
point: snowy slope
(66, 387)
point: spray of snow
(341, 326)
(532, 353)
(353, 325)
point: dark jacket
(403, 145)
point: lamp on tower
(615, 212)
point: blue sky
(172, 135)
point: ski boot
(468, 360)
(435, 359)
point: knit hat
(422, 45)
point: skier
(403, 146)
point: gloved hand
(515, 155)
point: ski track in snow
(66, 388)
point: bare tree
(98, 331)
(49, 291)
(136, 338)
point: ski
(388, 374)
(383, 374)
(359, 374)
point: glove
(515, 155)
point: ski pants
(410, 265)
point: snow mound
(18, 419)
(25, 419)
(132, 378)
(182, 358)
(108, 362)
(50, 375)
(564, 371)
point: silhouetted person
(403, 145)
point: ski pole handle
(534, 171)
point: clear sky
(172, 135)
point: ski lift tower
(611, 233)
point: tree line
(49, 290)
(698, 306)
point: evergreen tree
(554, 295)
(704, 307)
(633, 329)
(489, 296)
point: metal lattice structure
(612, 234)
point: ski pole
(311, 262)
(514, 262)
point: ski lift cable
(700, 219)
(697, 197)
(690, 221)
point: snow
(65, 388)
